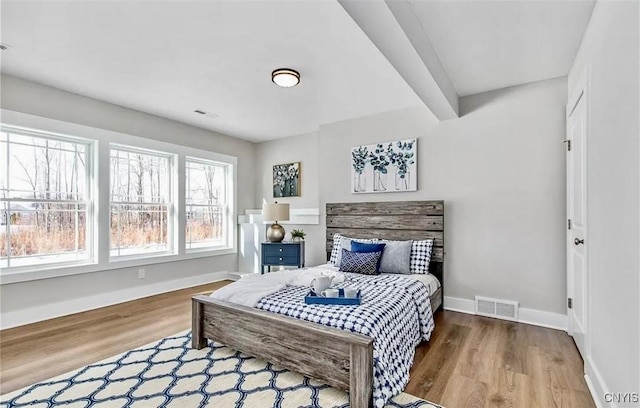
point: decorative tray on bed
(313, 299)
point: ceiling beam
(396, 31)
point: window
(207, 204)
(76, 199)
(44, 198)
(141, 205)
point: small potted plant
(297, 235)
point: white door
(577, 283)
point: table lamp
(275, 212)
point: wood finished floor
(477, 362)
(470, 361)
(39, 351)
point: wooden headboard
(393, 220)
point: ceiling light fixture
(285, 77)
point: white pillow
(340, 242)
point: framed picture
(286, 180)
(385, 167)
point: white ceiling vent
(501, 309)
(208, 114)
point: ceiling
(490, 44)
(171, 57)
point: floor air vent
(500, 309)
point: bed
(398, 220)
(338, 357)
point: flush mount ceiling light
(285, 77)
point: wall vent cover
(500, 309)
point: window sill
(36, 272)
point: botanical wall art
(384, 167)
(286, 180)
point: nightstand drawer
(281, 260)
(282, 254)
(281, 250)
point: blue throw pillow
(360, 262)
(362, 247)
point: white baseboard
(529, 316)
(459, 305)
(52, 310)
(596, 385)
(234, 276)
(541, 318)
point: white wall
(302, 148)
(500, 170)
(39, 299)
(610, 51)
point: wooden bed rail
(339, 358)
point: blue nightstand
(282, 254)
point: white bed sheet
(428, 280)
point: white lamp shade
(275, 212)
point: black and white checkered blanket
(395, 311)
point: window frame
(171, 202)
(101, 140)
(88, 200)
(228, 193)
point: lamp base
(275, 233)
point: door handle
(578, 241)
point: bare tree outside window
(140, 199)
(51, 195)
(206, 204)
(43, 199)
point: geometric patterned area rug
(169, 373)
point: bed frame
(339, 358)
